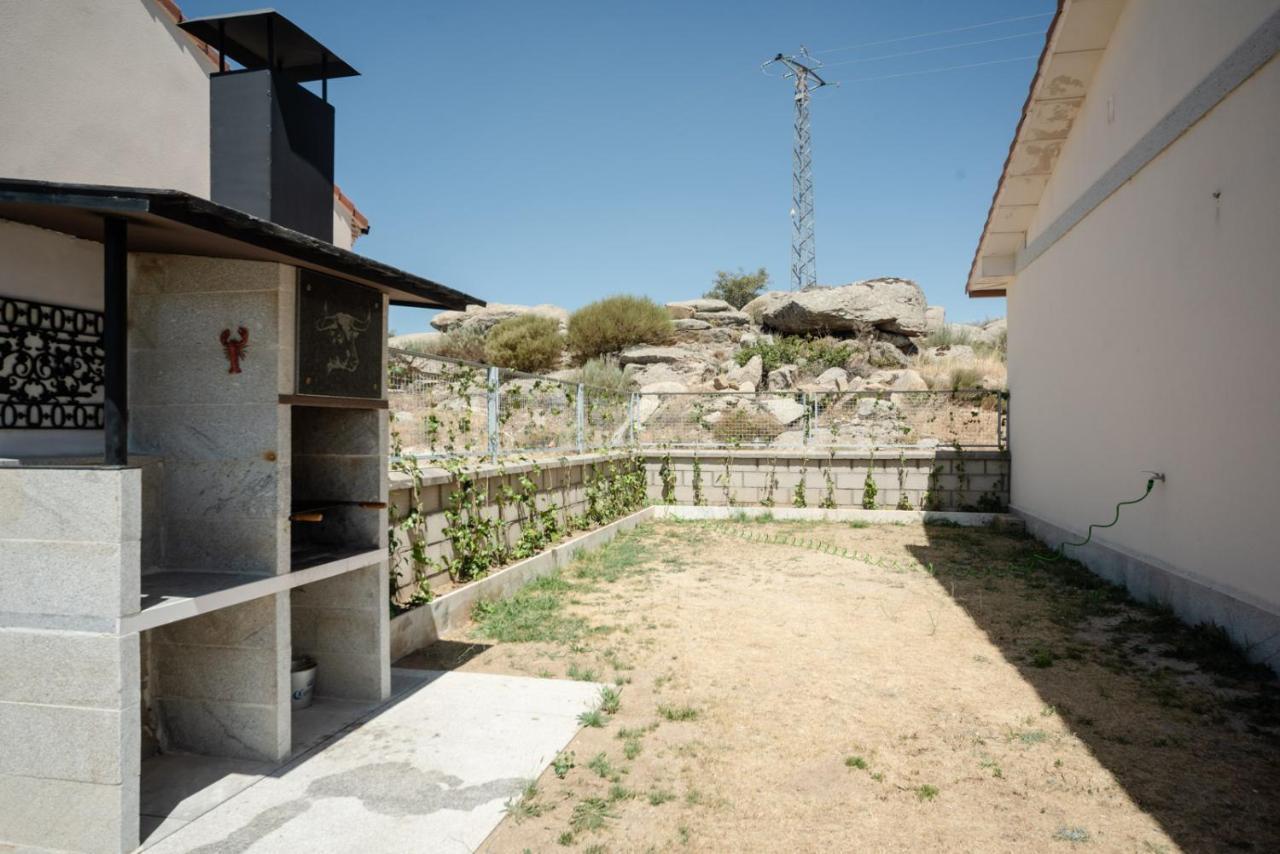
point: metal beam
(115, 340)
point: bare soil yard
(935, 689)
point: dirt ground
(826, 687)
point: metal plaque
(51, 366)
(340, 337)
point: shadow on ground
(1187, 726)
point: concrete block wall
(70, 540)
(945, 478)
(562, 482)
(224, 437)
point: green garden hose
(1060, 552)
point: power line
(935, 33)
(939, 70)
(931, 49)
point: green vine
(798, 494)
(726, 484)
(698, 498)
(410, 525)
(667, 475)
(869, 485)
(904, 501)
(771, 483)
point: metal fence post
(808, 419)
(494, 381)
(582, 418)
(631, 419)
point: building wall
(102, 92)
(1159, 51)
(1144, 338)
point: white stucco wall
(1159, 51)
(102, 92)
(1145, 338)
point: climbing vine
(771, 483)
(904, 501)
(667, 476)
(869, 485)
(698, 498)
(829, 493)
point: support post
(581, 419)
(494, 380)
(808, 418)
(631, 419)
(115, 343)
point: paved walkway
(431, 770)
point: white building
(1136, 233)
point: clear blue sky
(564, 151)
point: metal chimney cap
(266, 39)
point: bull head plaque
(340, 337)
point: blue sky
(564, 151)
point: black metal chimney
(271, 139)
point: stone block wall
(344, 622)
(942, 479)
(70, 540)
(224, 438)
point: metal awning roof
(177, 223)
(264, 39)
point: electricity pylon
(804, 264)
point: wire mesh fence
(445, 407)
(795, 419)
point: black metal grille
(51, 366)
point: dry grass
(943, 691)
(947, 373)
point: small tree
(738, 288)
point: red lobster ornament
(235, 349)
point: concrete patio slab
(430, 770)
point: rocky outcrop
(683, 309)
(758, 306)
(888, 305)
(723, 318)
(752, 372)
(935, 317)
(688, 324)
(656, 356)
(485, 317)
(782, 377)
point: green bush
(745, 427)
(605, 374)
(815, 353)
(466, 344)
(525, 343)
(615, 323)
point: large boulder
(758, 306)
(688, 324)
(421, 341)
(723, 318)
(647, 355)
(787, 410)
(909, 381)
(832, 379)
(485, 317)
(783, 377)
(752, 372)
(882, 354)
(682, 309)
(935, 317)
(888, 305)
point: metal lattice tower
(804, 264)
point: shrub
(465, 343)
(744, 426)
(615, 323)
(965, 377)
(528, 343)
(739, 288)
(817, 354)
(605, 374)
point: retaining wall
(936, 479)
